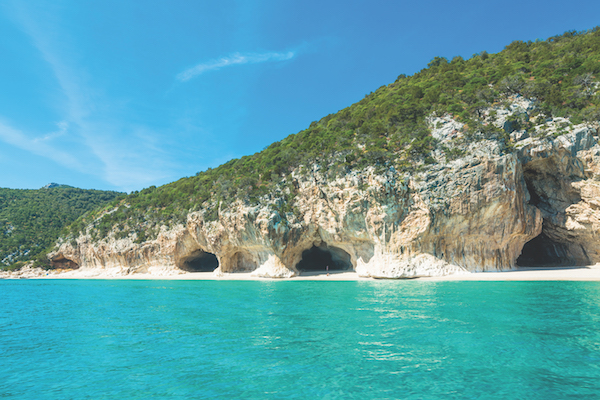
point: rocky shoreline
(586, 273)
(478, 212)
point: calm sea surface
(89, 339)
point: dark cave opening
(200, 261)
(64, 263)
(548, 183)
(243, 261)
(541, 251)
(318, 258)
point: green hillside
(385, 129)
(32, 220)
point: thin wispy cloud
(231, 60)
(17, 138)
(63, 127)
(129, 169)
(94, 136)
(106, 151)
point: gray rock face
(479, 212)
(555, 172)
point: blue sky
(122, 95)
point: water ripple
(299, 340)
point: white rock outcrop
(472, 213)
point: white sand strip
(589, 273)
(204, 276)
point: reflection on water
(367, 339)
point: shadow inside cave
(549, 184)
(63, 263)
(323, 259)
(541, 251)
(200, 261)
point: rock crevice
(489, 210)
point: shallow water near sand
(94, 339)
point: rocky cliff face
(489, 209)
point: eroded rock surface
(472, 213)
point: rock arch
(541, 251)
(242, 261)
(199, 261)
(318, 257)
(550, 185)
(62, 262)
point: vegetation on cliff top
(32, 220)
(385, 129)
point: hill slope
(31, 220)
(386, 178)
(389, 128)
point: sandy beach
(587, 273)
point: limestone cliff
(534, 202)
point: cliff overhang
(494, 208)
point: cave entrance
(548, 182)
(200, 261)
(63, 263)
(541, 251)
(318, 258)
(242, 261)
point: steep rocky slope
(474, 213)
(477, 165)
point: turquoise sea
(93, 339)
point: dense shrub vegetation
(385, 129)
(32, 220)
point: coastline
(589, 273)
(585, 273)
